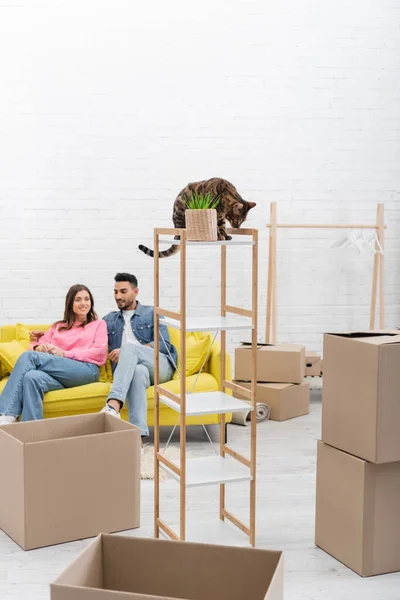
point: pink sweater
(87, 344)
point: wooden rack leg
(269, 285)
(183, 389)
(222, 425)
(253, 443)
(156, 383)
(381, 237)
(375, 274)
(274, 269)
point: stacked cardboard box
(313, 364)
(358, 465)
(280, 374)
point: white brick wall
(108, 108)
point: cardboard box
(149, 568)
(285, 400)
(283, 363)
(313, 364)
(361, 394)
(357, 511)
(68, 478)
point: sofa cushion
(22, 335)
(82, 399)
(9, 354)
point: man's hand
(56, 351)
(44, 348)
(35, 336)
(114, 355)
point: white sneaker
(111, 411)
(7, 419)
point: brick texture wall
(107, 109)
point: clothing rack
(378, 267)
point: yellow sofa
(91, 398)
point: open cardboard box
(115, 567)
(69, 478)
(361, 394)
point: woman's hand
(56, 351)
(44, 348)
(35, 336)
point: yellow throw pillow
(22, 332)
(10, 353)
(22, 335)
(198, 345)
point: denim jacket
(143, 327)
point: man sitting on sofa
(131, 352)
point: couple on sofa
(71, 352)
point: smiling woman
(69, 354)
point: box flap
(276, 386)
(283, 348)
(45, 430)
(189, 571)
(280, 347)
(87, 569)
(376, 338)
(275, 590)
(259, 344)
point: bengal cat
(231, 207)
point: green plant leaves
(202, 201)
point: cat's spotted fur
(231, 207)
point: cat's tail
(174, 249)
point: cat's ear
(238, 206)
(252, 205)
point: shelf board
(208, 403)
(211, 323)
(214, 531)
(233, 242)
(211, 470)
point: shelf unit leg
(182, 499)
(222, 428)
(156, 383)
(381, 236)
(375, 277)
(253, 449)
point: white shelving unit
(230, 466)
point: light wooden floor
(285, 520)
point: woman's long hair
(69, 315)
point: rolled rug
(263, 412)
(243, 417)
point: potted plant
(201, 217)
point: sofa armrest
(214, 365)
